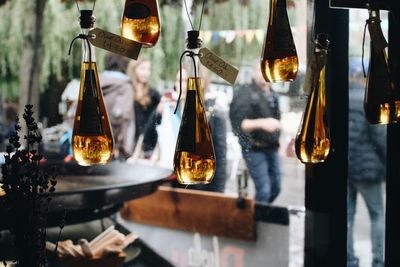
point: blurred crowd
(145, 128)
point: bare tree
(31, 61)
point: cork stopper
(193, 41)
(322, 40)
(87, 19)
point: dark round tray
(88, 193)
(106, 185)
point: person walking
(366, 171)
(255, 119)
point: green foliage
(232, 15)
(11, 27)
(60, 25)
(165, 55)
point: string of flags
(230, 35)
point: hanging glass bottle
(279, 61)
(312, 142)
(141, 22)
(92, 140)
(194, 159)
(381, 101)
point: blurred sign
(188, 249)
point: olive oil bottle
(141, 22)
(279, 61)
(92, 139)
(194, 159)
(312, 142)
(381, 100)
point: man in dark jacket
(255, 115)
(367, 156)
(118, 96)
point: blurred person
(67, 108)
(146, 101)
(255, 118)
(170, 122)
(118, 95)
(10, 115)
(366, 168)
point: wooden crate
(196, 211)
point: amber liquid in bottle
(140, 22)
(381, 101)
(312, 141)
(92, 140)
(194, 160)
(279, 61)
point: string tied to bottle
(86, 22)
(193, 42)
(362, 50)
(378, 40)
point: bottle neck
(319, 49)
(275, 4)
(194, 68)
(374, 17)
(88, 54)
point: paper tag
(218, 65)
(115, 43)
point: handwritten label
(218, 65)
(115, 43)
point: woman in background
(146, 100)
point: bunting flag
(230, 35)
(249, 36)
(215, 37)
(259, 36)
(206, 36)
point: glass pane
(367, 155)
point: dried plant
(27, 196)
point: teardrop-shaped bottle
(141, 22)
(312, 142)
(194, 159)
(381, 100)
(92, 140)
(279, 61)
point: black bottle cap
(87, 19)
(193, 40)
(322, 40)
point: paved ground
(292, 195)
